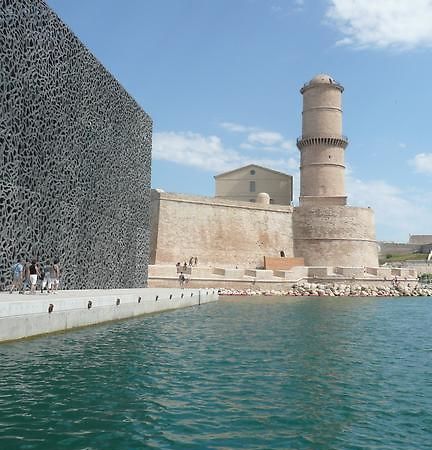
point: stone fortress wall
(335, 236)
(76, 156)
(218, 232)
(228, 233)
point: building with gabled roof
(245, 183)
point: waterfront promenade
(27, 315)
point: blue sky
(221, 80)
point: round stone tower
(327, 232)
(322, 145)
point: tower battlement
(322, 79)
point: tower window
(252, 186)
(252, 172)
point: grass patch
(406, 257)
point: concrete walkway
(33, 314)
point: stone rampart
(218, 232)
(335, 236)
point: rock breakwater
(339, 290)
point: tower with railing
(322, 145)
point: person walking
(26, 275)
(46, 282)
(55, 275)
(42, 276)
(34, 273)
(181, 279)
(17, 276)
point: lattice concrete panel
(75, 156)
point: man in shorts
(17, 276)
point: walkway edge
(15, 326)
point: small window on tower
(252, 172)
(251, 186)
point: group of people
(193, 261)
(183, 268)
(26, 274)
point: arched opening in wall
(282, 254)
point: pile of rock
(339, 290)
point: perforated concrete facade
(75, 152)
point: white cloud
(259, 139)
(236, 128)
(422, 162)
(193, 149)
(265, 138)
(288, 145)
(385, 23)
(396, 214)
(209, 153)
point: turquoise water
(238, 374)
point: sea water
(243, 373)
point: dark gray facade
(75, 156)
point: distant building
(245, 183)
(420, 239)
